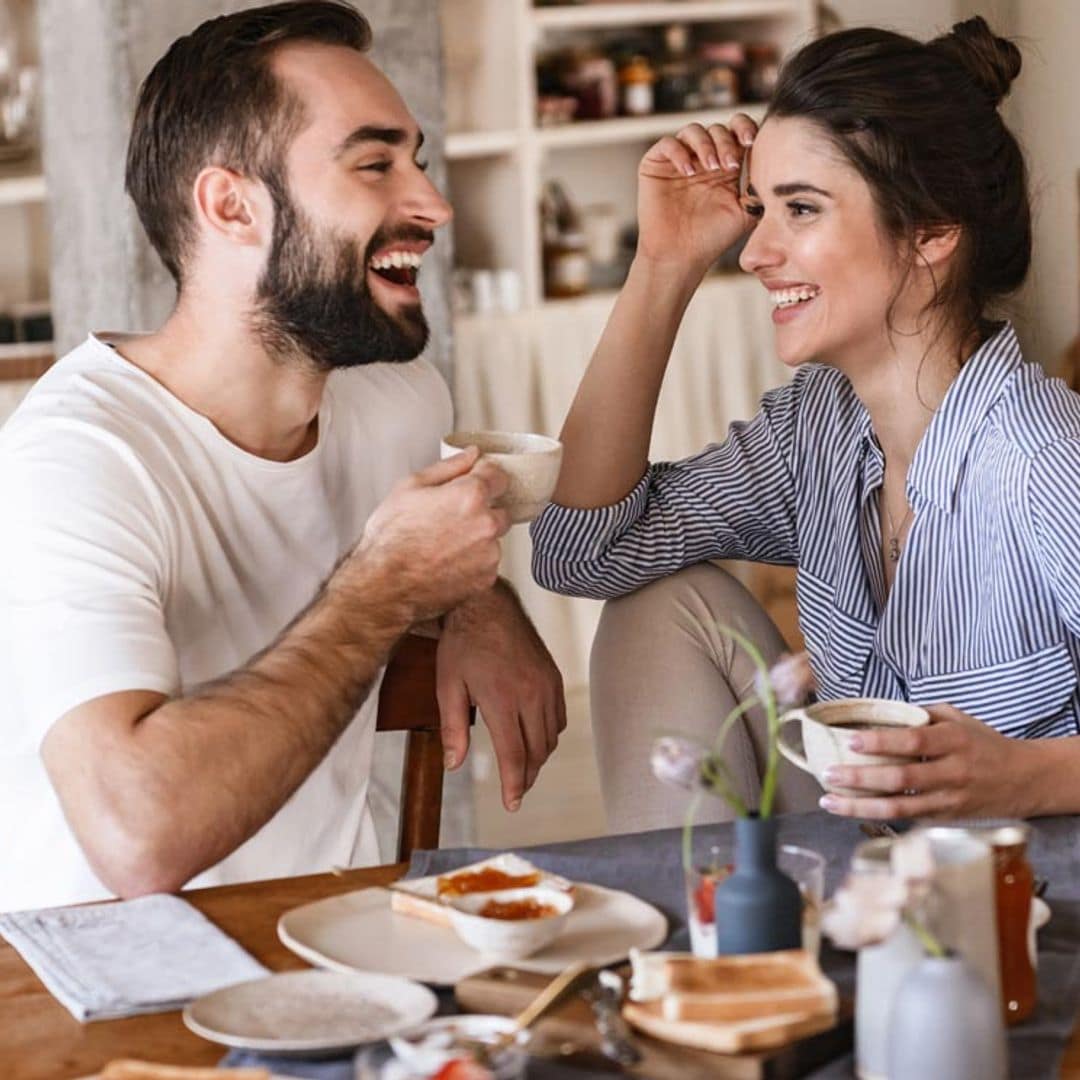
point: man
(216, 533)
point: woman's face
(818, 248)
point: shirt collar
(940, 456)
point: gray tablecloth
(649, 865)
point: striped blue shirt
(984, 611)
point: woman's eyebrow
(795, 187)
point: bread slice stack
(421, 898)
(730, 1004)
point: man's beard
(313, 301)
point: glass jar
(636, 79)
(676, 87)
(566, 266)
(720, 82)
(1014, 887)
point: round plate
(305, 1012)
(359, 932)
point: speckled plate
(310, 1012)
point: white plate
(359, 932)
(305, 1012)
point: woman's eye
(802, 209)
(755, 210)
(423, 165)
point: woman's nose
(761, 250)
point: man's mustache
(402, 234)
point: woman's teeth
(782, 298)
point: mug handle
(785, 747)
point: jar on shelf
(762, 69)
(566, 253)
(637, 78)
(591, 77)
(676, 85)
(720, 80)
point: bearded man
(216, 533)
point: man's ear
(234, 207)
(935, 246)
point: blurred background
(536, 114)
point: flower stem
(688, 832)
(926, 939)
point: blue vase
(758, 908)
(946, 1023)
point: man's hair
(213, 99)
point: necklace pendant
(894, 549)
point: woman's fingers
(701, 145)
(743, 129)
(673, 152)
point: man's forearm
(232, 752)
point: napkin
(104, 961)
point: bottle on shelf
(720, 80)
(566, 253)
(676, 86)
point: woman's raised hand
(689, 209)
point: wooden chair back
(408, 702)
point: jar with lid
(566, 253)
(762, 70)
(720, 81)
(590, 76)
(1014, 888)
(636, 81)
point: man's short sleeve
(83, 573)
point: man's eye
(375, 166)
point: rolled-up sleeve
(734, 500)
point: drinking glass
(807, 869)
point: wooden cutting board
(507, 991)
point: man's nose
(427, 204)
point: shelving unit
(499, 158)
(24, 253)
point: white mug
(829, 726)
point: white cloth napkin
(105, 961)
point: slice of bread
(733, 988)
(419, 897)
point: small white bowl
(509, 939)
(531, 463)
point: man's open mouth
(398, 267)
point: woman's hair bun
(992, 61)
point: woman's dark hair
(213, 99)
(920, 123)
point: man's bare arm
(158, 790)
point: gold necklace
(894, 532)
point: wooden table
(40, 1040)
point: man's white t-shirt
(141, 550)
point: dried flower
(869, 905)
(791, 679)
(678, 762)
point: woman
(923, 478)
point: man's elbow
(136, 859)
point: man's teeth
(397, 260)
(787, 297)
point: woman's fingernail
(515, 805)
(731, 164)
(831, 775)
(449, 759)
(830, 803)
(714, 163)
(856, 743)
(689, 170)
(746, 138)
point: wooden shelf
(635, 128)
(479, 144)
(22, 182)
(597, 16)
(26, 359)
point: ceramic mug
(829, 726)
(531, 463)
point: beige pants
(660, 665)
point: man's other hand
(491, 656)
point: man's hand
(491, 656)
(959, 767)
(436, 535)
